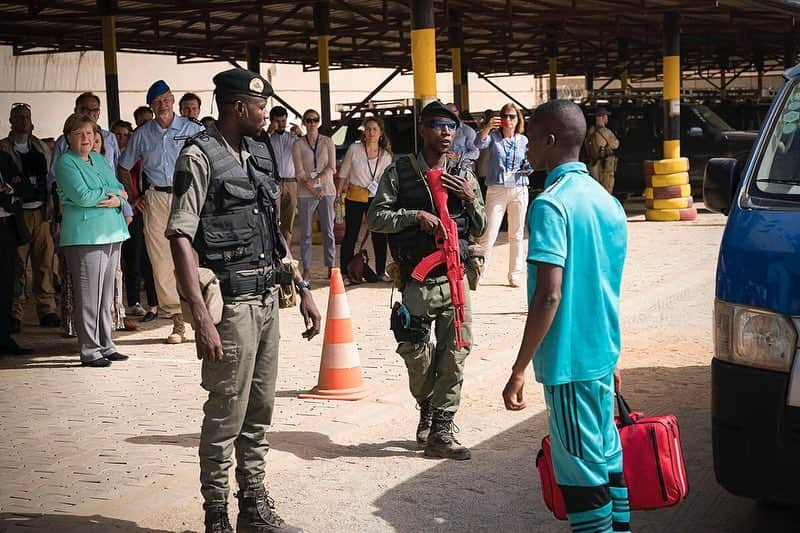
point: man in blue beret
(157, 143)
(225, 210)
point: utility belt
(244, 282)
(289, 179)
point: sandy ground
(116, 449)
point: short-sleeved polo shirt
(158, 148)
(577, 225)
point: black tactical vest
(238, 228)
(411, 245)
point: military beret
(438, 109)
(156, 90)
(241, 81)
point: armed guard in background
(601, 143)
(403, 207)
(224, 209)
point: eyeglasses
(20, 104)
(509, 116)
(439, 124)
(311, 120)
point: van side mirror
(720, 183)
(695, 131)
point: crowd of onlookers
(86, 212)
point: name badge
(372, 187)
(509, 179)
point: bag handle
(624, 409)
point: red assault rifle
(448, 253)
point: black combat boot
(425, 418)
(257, 513)
(217, 519)
(442, 441)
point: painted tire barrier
(665, 193)
(669, 203)
(671, 215)
(667, 180)
(666, 166)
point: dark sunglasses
(20, 104)
(439, 124)
(509, 116)
(311, 120)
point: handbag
(358, 268)
(652, 458)
(357, 194)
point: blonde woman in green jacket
(92, 231)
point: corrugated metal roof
(500, 36)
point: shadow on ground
(498, 490)
(13, 522)
(306, 445)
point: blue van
(755, 373)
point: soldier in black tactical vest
(404, 209)
(224, 209)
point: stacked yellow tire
(668, 195)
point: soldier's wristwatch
(300, 285)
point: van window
(778, 172)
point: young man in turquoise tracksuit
(578, 239)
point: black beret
(241, 81)
(438, 109)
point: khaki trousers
(436, 368)
(241, 396)
(40, 251)
(288, 208)
(156, 213)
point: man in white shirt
(282, 142)
(32, 158)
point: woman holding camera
(314, 158)
(506, 185)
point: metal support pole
(460, 91)
(552, 65)
(789, 51)
(622, 45)
(376, 90)
(254, 58)
(503, 92)
(758, 63)
(322, 27)
(672, 86)
(423, 51)
(106, 8)
(589, 79)
(723, 73)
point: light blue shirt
(464, 143)
(158, 148)
(111, 155)
(577, 225)
(505, 154)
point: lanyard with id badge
(509, 174)
(314, 173)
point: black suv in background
(398, 119)
(704, 135)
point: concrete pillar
(322, 28)
(672, 86)
(460, 84)
(423, 51)
(106, 8)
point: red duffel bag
(652, 458)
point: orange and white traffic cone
(340, 368)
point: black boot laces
(266, 509)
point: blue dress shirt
(158, 148)
(505, 153)
(464, 143)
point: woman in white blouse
(314, 157)
(362, 168)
